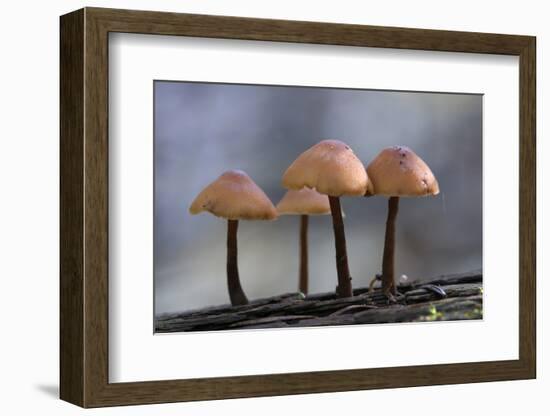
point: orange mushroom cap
(398, 171)
(330, 167)
(305, 201)
(234, 195)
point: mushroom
(397, 172)
(332, 169)
(304, 202)
(234, 196)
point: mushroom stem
(236, 293)
(388, 280)
(303, 278)
(343, 290)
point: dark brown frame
(84, 210)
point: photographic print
(292, 206)
(238, 179)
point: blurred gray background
(203, 129)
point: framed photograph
(254, 207)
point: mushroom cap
(234, 196)
(305, 201)
(398, 171)
(330, 167)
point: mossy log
(445, 298)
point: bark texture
(444, 298)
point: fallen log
(444, 298)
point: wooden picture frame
(84, 207)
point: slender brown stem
(236, 293)
(388, 278)
(343, 290)
(303, 278)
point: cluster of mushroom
(315, 181)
